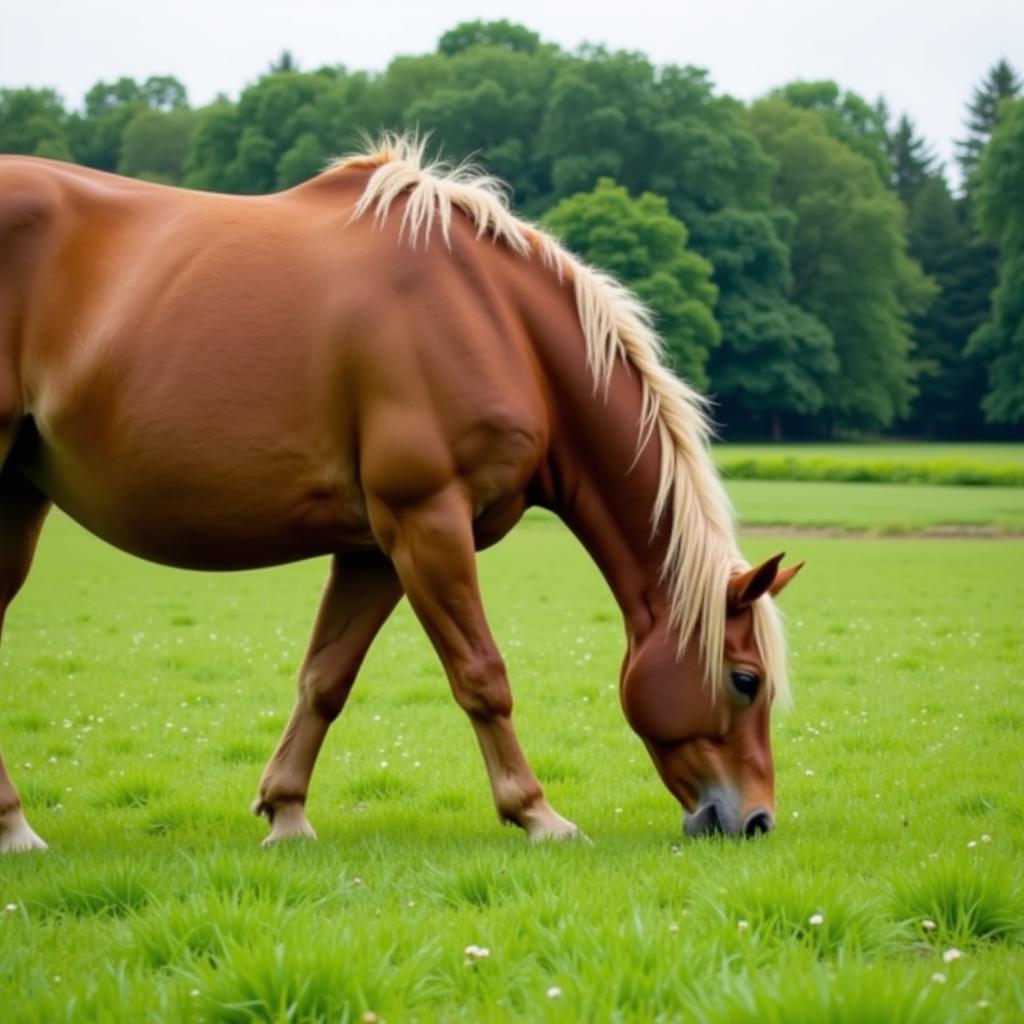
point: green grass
(992, 465)
(893, 451)
(881, 508)
(138, 704)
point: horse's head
(711, 745)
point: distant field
(885, 508)
(948, 465)
(896, 451)
(138, 705)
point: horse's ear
(746, 587)
(782, 577)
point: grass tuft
(826, 995)
(85, 890)
(274, 876)
(130, 792)
(379, 785)
(967, 899)
(244, 752)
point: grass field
(880, 508)
(138, 705)
(946, 465)
(895, 451)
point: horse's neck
(604, 491)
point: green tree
(155, 144)
(489, 110)
(706, 158)
(284, 63)
(950, 383)
(848, 118)
(644, 246)
(502, 34)
(164, 92)
(302, 161)
(1000, 206)
(34, 122)
(911, 160)
(599, 119)
(1001, 83)
(283, 129)
(406, 81)
(211, 161)
(775, 358)
(849, 261)
(97, 131)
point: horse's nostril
(758, 822)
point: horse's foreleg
(361, 592)
(22, 510)
(432, 547)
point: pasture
(138, 705)
(879, 508)
(890, 451)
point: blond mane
(702, 551)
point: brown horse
(384, 365)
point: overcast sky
(924, 56)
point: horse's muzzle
(719, 815)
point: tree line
(805, 255)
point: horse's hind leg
(432, 547)
(361, 592)
(22, 510)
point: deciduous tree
(642, 244)
(34, 122)
(849, 260)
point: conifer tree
(1001, 83)
(912, 160)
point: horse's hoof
(562, 832)
(16, 835)
(288, 821)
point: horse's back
(218, 380)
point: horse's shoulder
(30, 194)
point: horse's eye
(745, 684)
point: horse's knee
(481, 687)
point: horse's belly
(202, 521)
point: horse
(386, 366)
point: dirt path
(950, 532)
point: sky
(923, 56)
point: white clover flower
(742, 926)
(816, 920)
(938, 978)
(951, 955)
(554, 992)
(929, 925)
